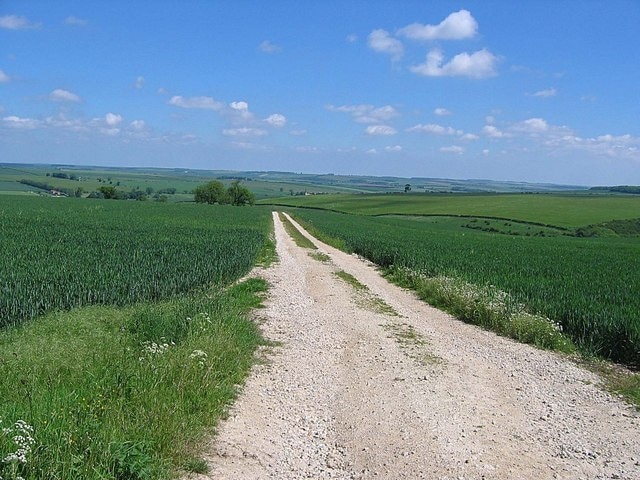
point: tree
(109, 192)
(211, 192)
(240, 195)
(407, 188)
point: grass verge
(295, 234)
(321, 257)
(487, 307)
(125, 393)
(367, 299)
(320, 235)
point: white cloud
(206, 103)
(20, 123)
(240, 112)
(549, 92)
(240, 106)
(14, 22)
(393, 148)
(139, 83)
(435, 129)
(452, 149)
(276, 120)
(531, 125)
(380, 130)
(268, 47)
(490, 119)
(366, 113)
(381, 42)
(137, 125)
(112, 132)
(162, 91)
(613, 146)
(351, 38)
(456, 26)
(442, 112)
(492, 131)
(372, 151)
(60, 95)
(485, 152)
(469, 137)
(4, 78)
(244, 131)
(480, 64)
(75, 21)
(112, 119)
(298, 132)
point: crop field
(121, 340)
(589, 285)
(561, 210)
(63, 253)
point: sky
(532, 91)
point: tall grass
(124, 393)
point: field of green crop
(135, 343)
(590, 286)
(562, 210)
(63, 253)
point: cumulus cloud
(456, 26)
(20, 123)
(139, 83)
(531, 125)
(372, 151)
(60, 95)
(381, 42)
(393, 148)
(4, 78)
(608, 145)
(480, 64)
(456, 149)
(75, 21)
(384, 130)
(469, 137)
(442, 112)
(351, 38)
(268, 47)
(112, 119)
(549, 92)
(206, 103)
(15, 22)
(276, 120)
(137, 125)
(435, 129)
(492, 131)
(366, 113)
(244, 131)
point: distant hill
(24, 178)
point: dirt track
(351, 392)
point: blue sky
(539, 91)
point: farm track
(351, 392)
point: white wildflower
(200, 357)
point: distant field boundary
(483, 217)
(455, 215)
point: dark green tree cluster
(214, 192)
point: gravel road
(352, 391)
